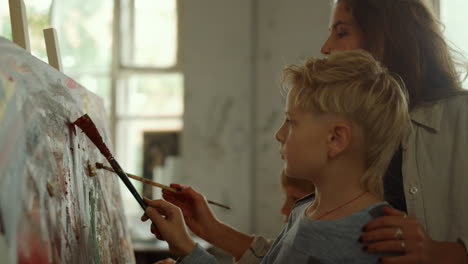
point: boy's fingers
(144, 217)
(167, 208)
(156, 232)
(159, 208)
(178, 186)
(150, 202)
(153, 229)
(163, 206)
(154, 215)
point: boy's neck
(338, 193)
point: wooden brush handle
(153, 183)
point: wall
(232, 55)
(288, 32)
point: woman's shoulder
(455, 108)
(458, 100)
(461, 96)
(446, 112)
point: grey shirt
(198, 256)
(312, 242)
(323, 241)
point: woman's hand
(197, 213)
(168, 224)
(397, 233)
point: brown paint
(90, 170)
(50, 189)
(88, 127)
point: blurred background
(192, 90)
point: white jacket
(435, 168)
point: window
(149, 84)
(452, 14)
(126, 51)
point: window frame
(119, 68)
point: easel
(20, 32)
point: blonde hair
(352, 84)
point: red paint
(68, 216)
(71, 83)
(88, 127)
(31, 248)
(76, 229)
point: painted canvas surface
(55, 207)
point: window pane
(100, 85)
(85, 34)
(151, 95)
(155, 34)
(5, 25)
(37, 12)
(452, 14)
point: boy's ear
(339, 139)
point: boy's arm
(203, 222)
(235, 243)
(257, 250)
(198, 256)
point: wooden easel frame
(20, 32)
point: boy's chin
(298, 175)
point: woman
(426, 175)
(427, 178)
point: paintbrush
(153, 183)
(88, 127)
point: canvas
(55, 207)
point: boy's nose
(278, 135)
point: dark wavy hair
(407, 38)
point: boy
(293, 190)
(345, 117)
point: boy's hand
(169, 225)
(397, 233)
(197, 214)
